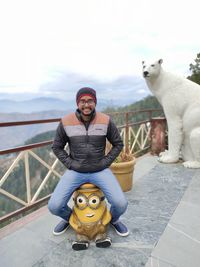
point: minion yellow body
(90, 217)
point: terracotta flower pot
(124, 173)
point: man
(86, 132)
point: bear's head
(151, 71)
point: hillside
(149, 102)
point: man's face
(86, 105)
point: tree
(195, 69)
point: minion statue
(90, 217)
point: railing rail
(136, 137)
(20, 123)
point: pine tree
(195, 69)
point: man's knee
(54, 207)
(121, 205)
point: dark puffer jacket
(87, 142)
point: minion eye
(94, 201)
(81, 201)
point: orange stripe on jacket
(71, 119)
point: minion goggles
(93, 201)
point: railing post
(157, 135)
(27, 175)
(150, 115)
(127, 135)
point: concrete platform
(163, 217)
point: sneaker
(120, 228)
(61, 228)
(103, 243)
(80, 245)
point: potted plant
(123, 168)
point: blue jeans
(71, 180)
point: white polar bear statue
(180, 99)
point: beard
(87, 111)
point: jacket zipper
(87, 141)
(87, 138)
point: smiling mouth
(89, 215)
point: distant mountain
(44, 104)
(34, 105)
(60, 91)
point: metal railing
(135, 134)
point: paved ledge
(180, 243)
(164, 208)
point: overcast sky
(98, 40)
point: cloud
(125, 89)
